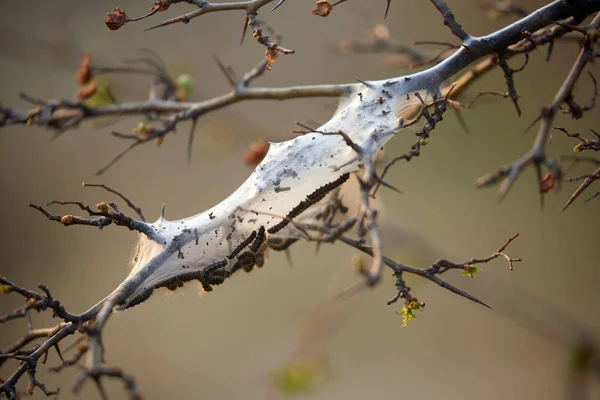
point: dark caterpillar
(311, 199)
(242, 245)
(260, 239)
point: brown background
(226, 345)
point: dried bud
(160, 5)
(256, 153)
(85, 93)
(322, 8)
(116, 19)
(271, 54)
(31, 302)
(548, 183)
(103, 207)
(84, 74)
(67, 220)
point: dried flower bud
(67, 220)
(31, 302)
(116, 19)
(160, 5)
(322, 8)
(84, 74)
(548, 183)
(271, 55)
(256, 153)
(85, 93)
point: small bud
(322, 8)
(67, 220)
(185, 87)
(143, 129)
(103, 207)
(423, 142)
(31, 302)
(116, 19)
(5, 289)
(577, 149)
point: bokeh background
(230, 343)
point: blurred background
(237, 341)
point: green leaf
(470, 270)
(185, 83)
(407, 312)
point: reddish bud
(322, 8)
(116, 19)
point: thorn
(457, 291)
(387, 185)
(245, 28)
(277, 5)
(191, 139)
